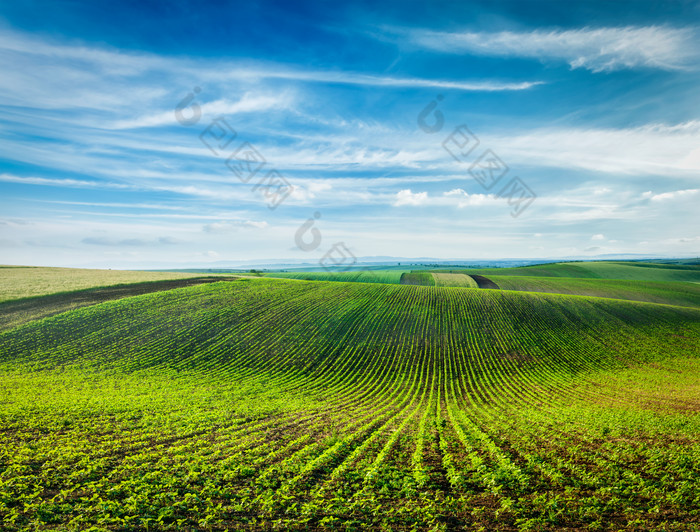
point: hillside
(318, 404)
(681, 293)
(363, 276)
(640, 271)
(29, 281)
(19, 311)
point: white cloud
(247, 104)
(233, 225)
(59, 75)
(602, 212)
(356, 78)
(676, 194)
(595, 49)
(129, 242)
(467, 199)
(406, 197)
(309, 191)
(215, 191)
(652, 149)
(598, 237)
(111, 90)
(79, 183)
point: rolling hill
(666, 292)
(639, 271)
(263, 403)
(29, 281)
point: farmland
(454, 279)
(639, 271)
(362, 276)
(284, 404)
(418, 278)
(396, 266)
(29, 281)
(671, 284)
(665, 292)
(17, 312)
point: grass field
(26, 281)
(673, 284)
(364, 276)
(273, 404)
(454, 279)
(418, 278)
(667, 292)
(639, 271)
(384, 276)
(20, 311)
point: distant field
(364, 276)
(668, 292)
(619, 280)
(17, 282)
(418, 278)
(266, 404)
(454, 279)
(601, 270)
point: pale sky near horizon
(593, 106)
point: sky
(173, 134)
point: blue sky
(593, 106)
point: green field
(383, 276)
(27, 281)
(418, 278)
(672, 284)
(667, 292)
(263, 404)
(16, 312)
(601, 270)
(454, 279)
(364, 276)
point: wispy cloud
(85, 163)
(249, 103)
(129, 242)
(233, 225)
(595, 49)
(72, 183)
(651, 149)
(57, 75)
(673, 195)
(358, 78)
